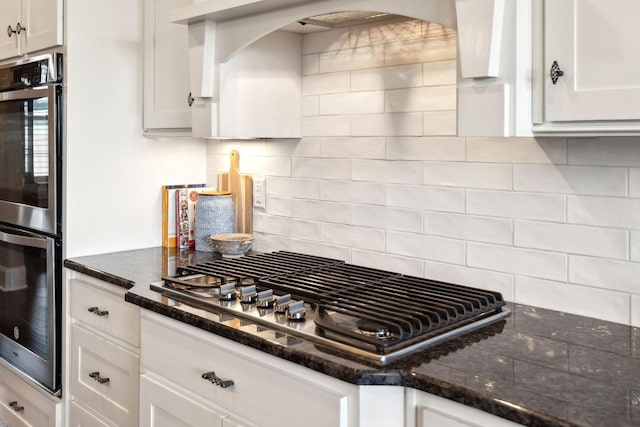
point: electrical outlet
(259, 196)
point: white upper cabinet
(28, 26)
(590, 77)
(166, 70)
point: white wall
(376, 181)
(113, 173)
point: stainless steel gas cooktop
(371, 313)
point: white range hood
(489, 66)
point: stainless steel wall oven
(30, 217)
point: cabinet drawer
(33, 408)
(264, 387)
(104, 376)
(104, 310)
(80, 417)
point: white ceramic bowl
(232, 245)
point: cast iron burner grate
(375, 313)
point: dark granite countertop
(538, 367)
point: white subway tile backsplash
(634, 246)
(428, 198)
(387, 218)
(425, 50)
(308, 147)
(353, 236)
(395, 263)
(402, 76)
(573, 239)
(517, 150)
(605, 151)
(352, 59)
(291, 187)
(611, 306)
(426, 247)
(604, 211)
(354, 148)
(439, 123)
(439, 73)
(321, 211)
(326, 126)
(325, 41)
(323, 84)
(510, 204)
(270, 243)
(310, 64)
(634, 182)
(281, 206)
(426, 98)
(320, 168)
(467, 227)
(603, 181)
(401, 172)
(291, 227)
(469, 175)
(265, 165)
(321, 249)
(635, 310)
(352, 103)
(355, 192)
(527, 262)
(604, 273)
(310, 105)
(421, 148)
(483, 279)
(401, 124)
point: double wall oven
(30, 217)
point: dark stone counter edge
(99, 274)
(374, 376)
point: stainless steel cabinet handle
(14, 405)
(214, 379)
(98, 312)
(96, 376)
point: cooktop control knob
(227, 292)
(248, 294)
(266, 299)
(296, 311)
(282, 303)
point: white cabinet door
(166, 68)
(435, 411)
(43, 20)
(80, 417)
(9, 17)
(595, 44)
(163, 406)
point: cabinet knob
(14, 405)
(555, 72)
(190, 99)
(96, 376)
(98, 312)
(18, 30)
(214, 379)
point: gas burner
(373, 329)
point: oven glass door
(29, 301)
(28, 158)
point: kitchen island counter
(537, 367)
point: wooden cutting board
(241, 187)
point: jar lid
(214, 193)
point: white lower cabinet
(22, 405)
(185, 369)
(434, 411)
(103, 354)
(165, 404)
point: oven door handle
(24, 238)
